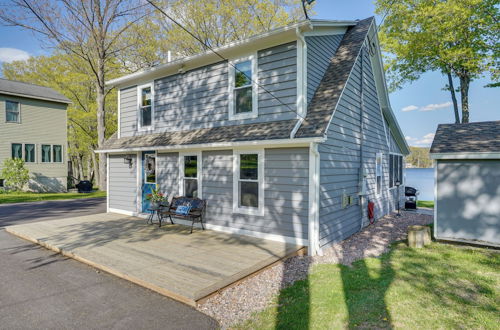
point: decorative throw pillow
(183, 209)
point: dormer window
(146, 107)
(243, 88)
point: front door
(148, 177)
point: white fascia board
(466, 155)
(225, 145)
(231, 50)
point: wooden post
(419, 236)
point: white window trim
(156, 169)
(199, 173)
(380, 156)
(62, 153)
(19, 112)
(23, 151)
(255, 88)
(51, 153)
(259, 211)
(139, 90)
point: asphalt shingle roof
(31, 91)
(472, 137)
(319, 112)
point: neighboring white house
(288, 139)
(467, 182)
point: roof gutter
(219, 145)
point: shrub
(15, 175)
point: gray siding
(122, 184)
(341, 157)
(320, 50)
(199, 98)
(468, 200)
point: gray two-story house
(33, 128)
(288, 135)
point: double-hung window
(57, 153)
(243, 88)
(248, 183)
(395, 170)
(190, 174)
(146, 97)
(12, 112)
(17, 150)
(29, 153)
(378, 172)
(46, 153)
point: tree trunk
(95, 166)
(101, 123)
(464, 91)
(79, 160)
(453, 97)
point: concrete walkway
(168, 260)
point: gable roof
(22, 89)
(467, 138)
(329, 91)
(319, 113)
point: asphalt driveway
(44, 290)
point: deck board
(169, 260)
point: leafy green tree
(456, 37)
(419, 157)
(15, 175)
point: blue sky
(426, 104)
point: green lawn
(19, 197)
(441, 286)
(425, 204)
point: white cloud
(425, 141)
(432, 107)
(409, 108)
(13, 54)
(428, 107)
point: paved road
(44, 290)
(11, 214)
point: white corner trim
(236, 179)
(255, 88)
(119, 110)
(139, 90)
(138, 170)
(435, 199)
(466, 155)
(313, 223)
(244, 232)
(301, 103)
(199, 176)
(107, 182)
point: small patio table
(155, 210)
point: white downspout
(313, 223)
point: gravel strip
(236, 304)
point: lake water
(423, 180)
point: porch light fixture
(128, 160)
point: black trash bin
(84, 186)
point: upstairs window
(17, 150)
(29, 153)
(12, 112)
(190, 175)
(242, 88)
(145, 96)
(46, 153)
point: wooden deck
(169, 260)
